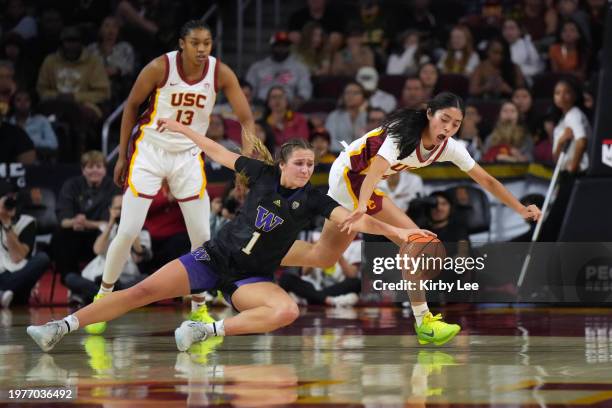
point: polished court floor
(362, 357)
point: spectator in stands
(522, 50)
(442, 221)
(538, 21)
(572, 129)
(496, 75)
(336, 286)
(280, 69)
(165, 223)
(19, 269)
(509, 141)
(348, 121)
(375, 118)
(117, 56)
(409, 57)
(285, 123)
(14, 50)
(571, 10)
(530, 119)
(403, 187)
(413, 94)
(378, 28)
(17, 21)
(320, 140)
(84, 286)
(419, 17)
(216, 132)
(225, 109)
(569, 54)
(265, 133)
(82, 207)
(15, 145)
(313, 49)
(354, 55)
(469, 133)
(428, 74)
(377, 98)
(321, 12)
(8, 86)
(36, 126)
(459, 57)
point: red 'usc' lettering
(188, 99)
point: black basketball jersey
(255, 242)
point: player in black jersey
(240, 261)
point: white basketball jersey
(188, 102)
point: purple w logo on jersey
(266, 220)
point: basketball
(430, 250)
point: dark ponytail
(193, 25)
(407, 125)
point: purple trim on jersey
(201, 276)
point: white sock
(105, 291)
(195, 305)
(215, 329)
(72, 322)
(419, 311)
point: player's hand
(405, 233)
(120, 171)
(170, 125)
(531, 213)
(353, 217)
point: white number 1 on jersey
(247, 249)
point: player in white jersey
(181, 85)
(408, 139)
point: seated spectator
(539, 21)
(313, 50)
(449, 228)
(375, 118)
(336, 286)
(523, 100)
(226, 110)
(320, 140)
(285, 123)
(166, 226)
(14, 49)
(216, 132)
(509, 141)
(319, 11)
(469, 133)
(264, 132)
(36, 126)
(459, 57)
(348, 121)
(522, 50)
(413, 94)
(402, 187)
(85, 285)
(19, 269)
(407, 59)
(428, 74)
(82, 207)
(569, 54)
(418, 16)
(378, 27)
(354, 55)
(15, 145)
(280, 69)
(571, 10)
(496, 75)
(222, 211)
(377, 98)
(73, 84)
(8, 86)
(18, 21)
(117, 56)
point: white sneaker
(48, 335)
(6, 297)
(347, 300)
(189, 332)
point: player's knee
(286, 313)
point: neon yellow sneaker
(201, 315)
(99, 360)
(199, 351)
(434, 330)
(100, 327)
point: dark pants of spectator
(23, 280)
(554, 221)
(168, 249)
(303, 289)
(71, 249)
(87, 289)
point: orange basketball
(431, 251)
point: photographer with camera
(19, 271)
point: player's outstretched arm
(212, 149)
(371, 225)
(493, 186)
